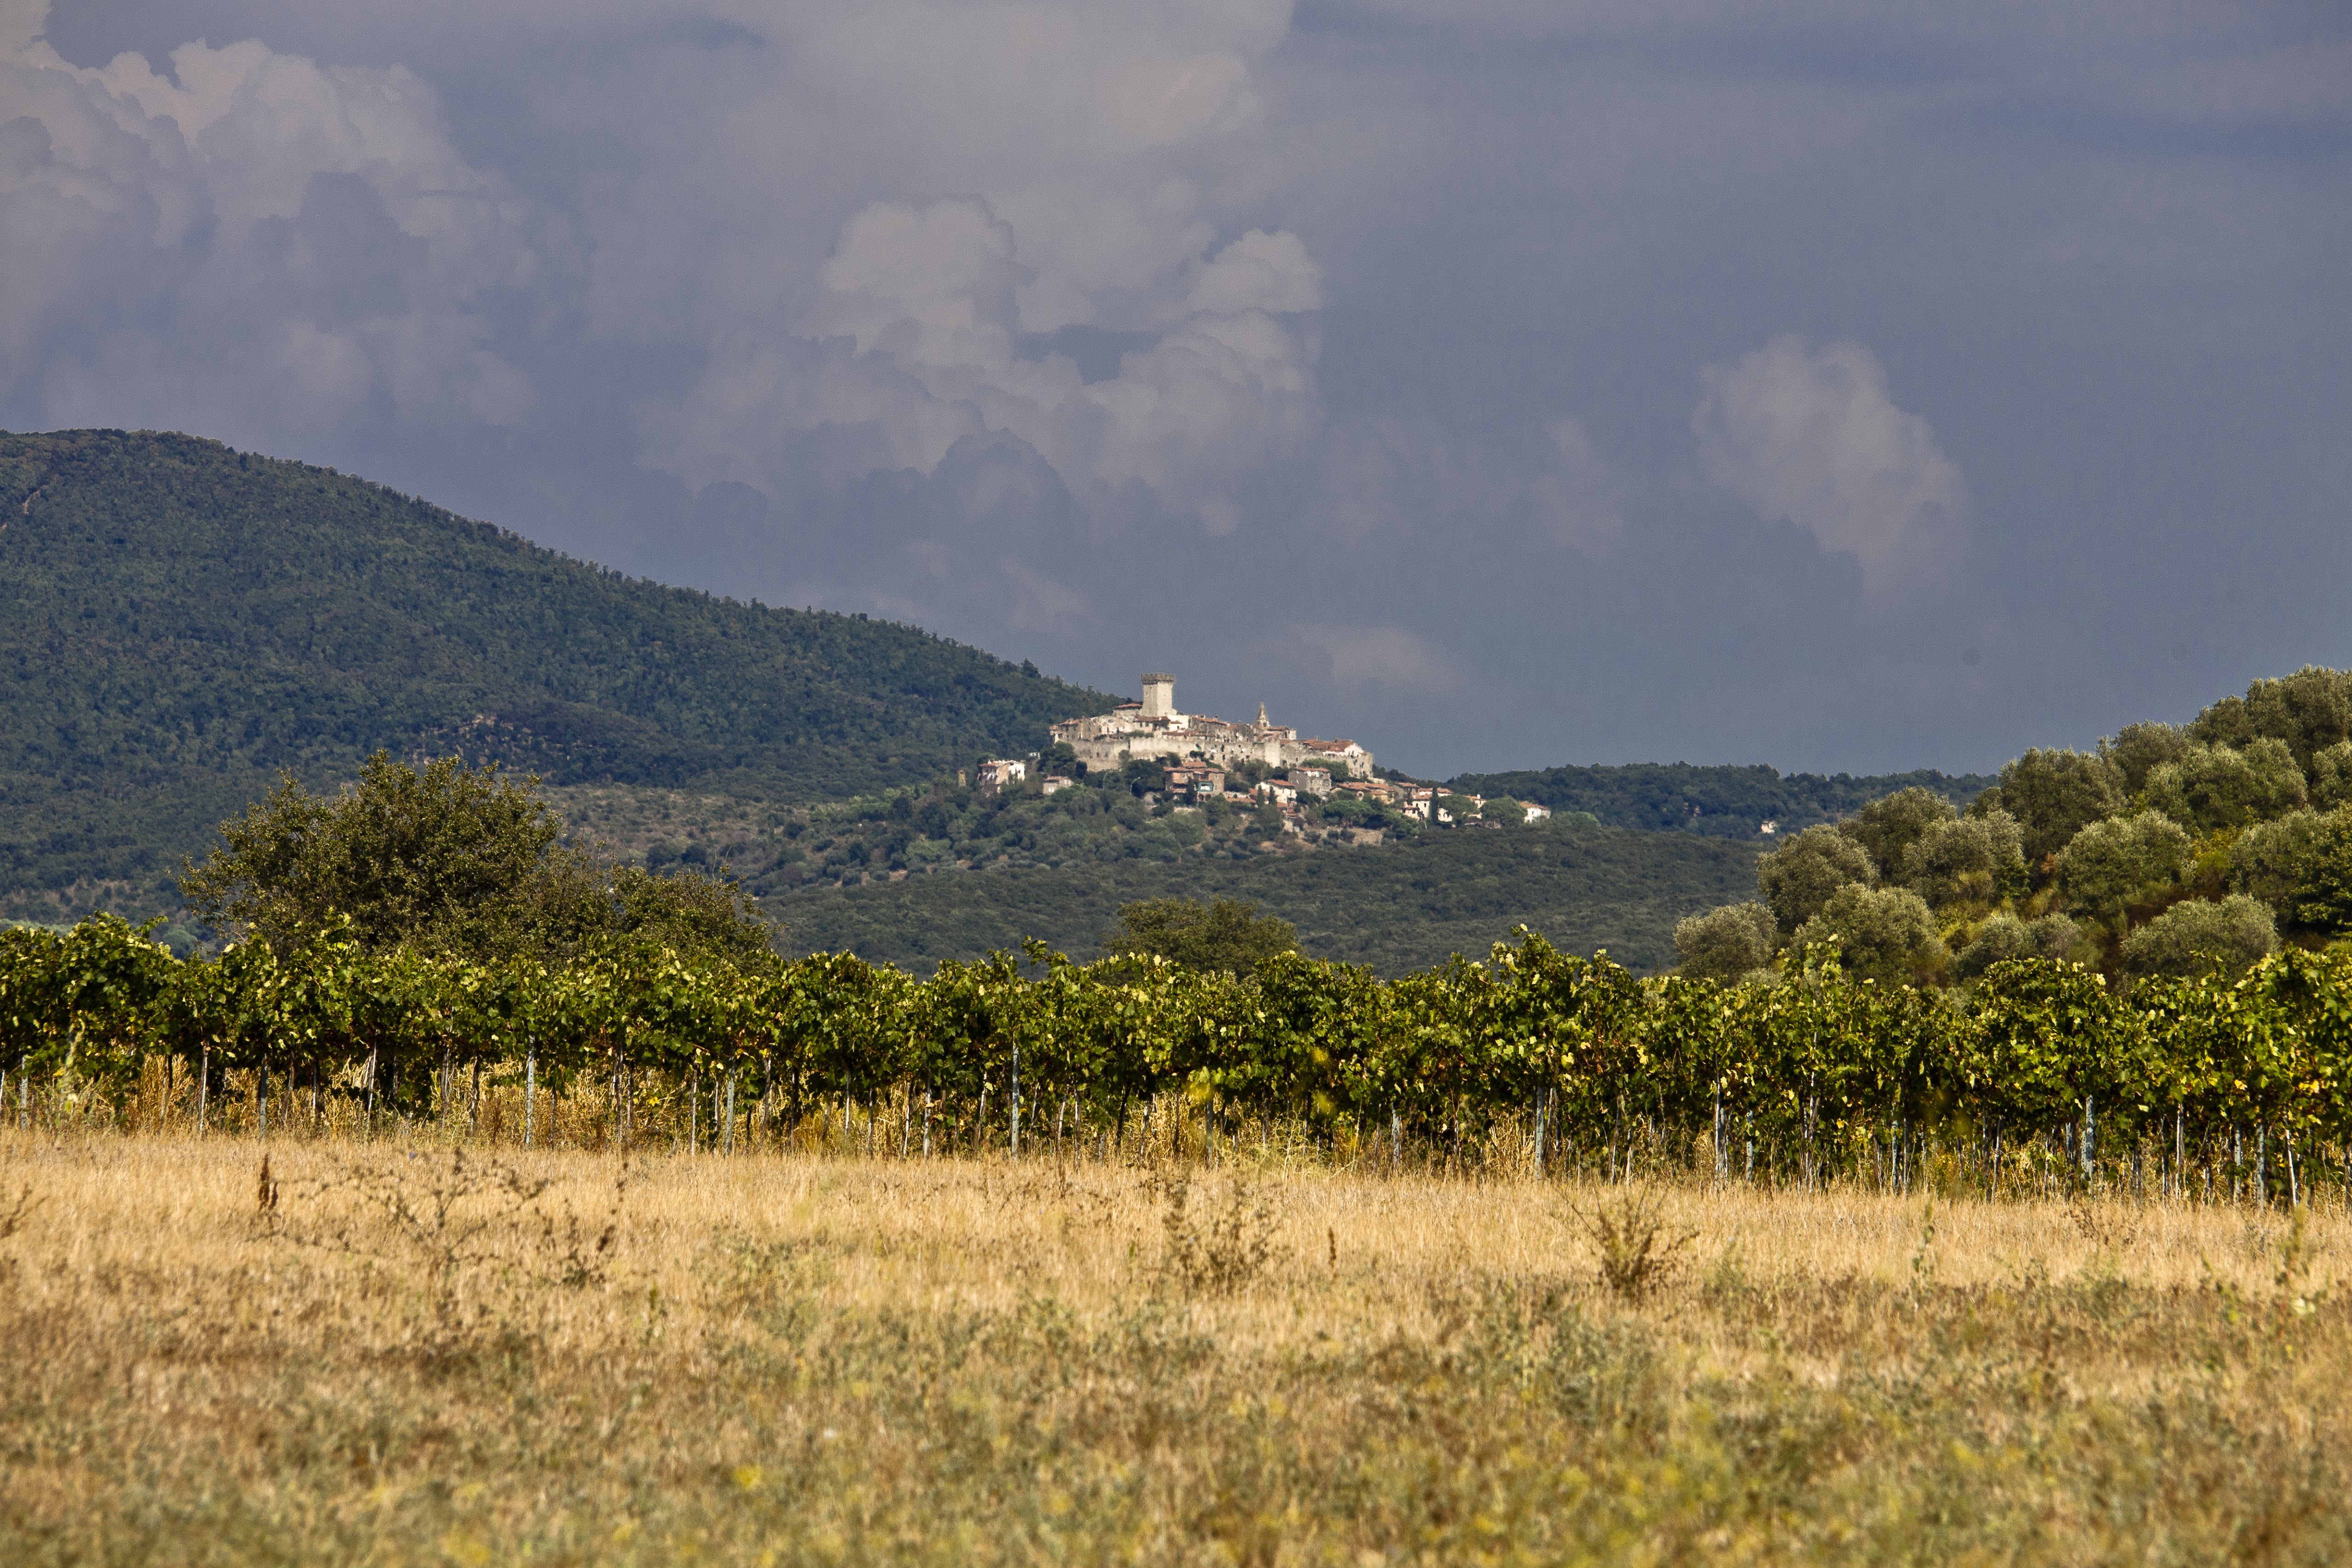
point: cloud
(914, 343)
(254, 242)
(1810, 436)
(1260, 271)
(1077, 327)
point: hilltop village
(1197, 758)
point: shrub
(2201, 937)
(1726, 945)
(1883, 934)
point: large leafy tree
(2054, 795)
(448, 858)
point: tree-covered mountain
(1723, 802)
(179, 620)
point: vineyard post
(203, 1085)
(927, 1121)
(529, 1087)
(727, 1137)
(2262, 1165)
(1722, 1155)
(1016, 1099)
(261, 1102)
(2090, 1134)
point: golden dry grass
(829, 1360)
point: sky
(1836, 385)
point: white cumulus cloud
(1810, 436)
(252, 242)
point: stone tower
(1158, 696)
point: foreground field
(376, 1353)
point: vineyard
(2040, 1080)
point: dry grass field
(398, 1354)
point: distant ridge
(1722, 802)
(179, 620)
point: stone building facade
(1155, 727)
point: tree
(2323, 895)
(1727, 945)
(1460, 807)
(2309, 710)
(1885, 828)
(2218, 786)
(2268, 860)
(2003, 936)
(2135, 750)
(1970, 857)
(448, 858)
(2331, 777)
(2111, 863)
(2053, 795)
(1883, 933)
(2200, 937)
(1228, 936)
(1798, 878)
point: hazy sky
(1837, 384)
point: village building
(998, 773)
(1156, 727)
(1535, 812)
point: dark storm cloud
(1502, 383)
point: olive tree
(1974, 858)
(2109, 864)
(1798, 878)
(2053, 795)
(2200, 937)
(2135, 750)
(2331, 777)
(2310, 710)
(2323, 894)
(1881, 933)
(1888, 827)
(2268, 860)
(1726, 945)
(2221, 786)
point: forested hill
(1725, 801)
(178, 620)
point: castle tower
(1158, 696)
(1261, 715)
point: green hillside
(178, 620)
(1721, 802)
(1398, 907)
